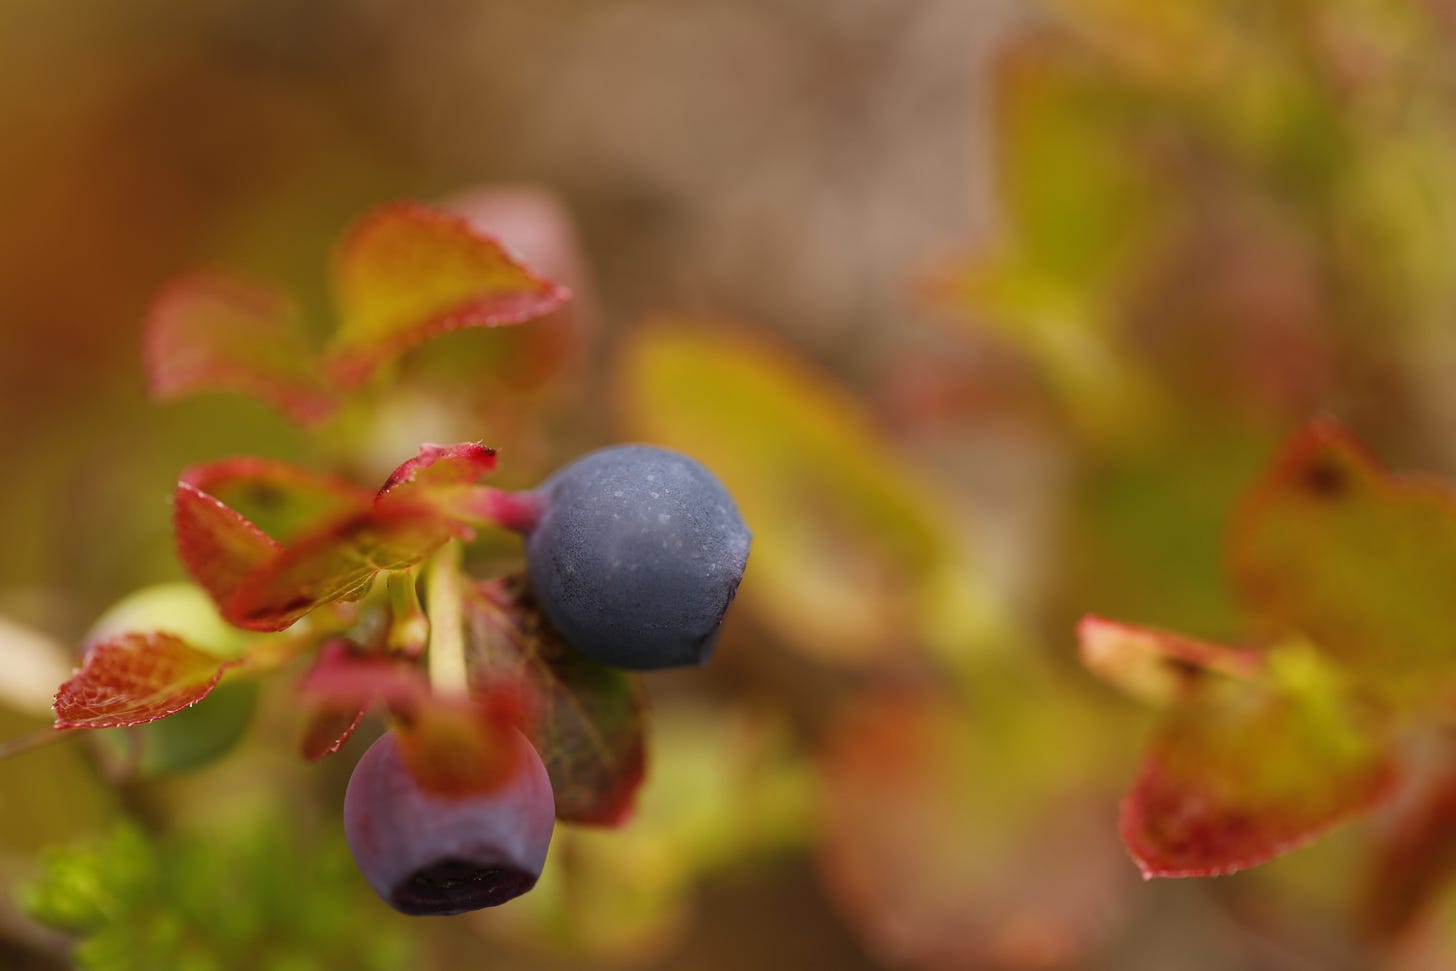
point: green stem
(409, 628)
(448, 673)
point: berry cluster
(634, 553)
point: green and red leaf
(1249, 772)
(207, 332)
(1157, 666)
(326, 539)
(443, 477)
(1333, 547)
(407, 272)
(280, 498)
(218, 546)
(339, 561)
(135, 678)
(587, 720)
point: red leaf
(342, 684)
(1249, 773)
(135, 678)
(218, 546)
(328, 727)
(407, 272)
(441, 465)
(208, 332)
(587, 720)
(1333, 547)
(1157, 666)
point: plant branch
(448, 673)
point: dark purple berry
(429, 854)
(636, 556)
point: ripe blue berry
(636, 556)
(429, 854)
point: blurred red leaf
(1332, 546)
(407, 272)
(587, 720)
(327, 727)
(208, 332)
(135, 678)
(1157, 666)
(1251, 772)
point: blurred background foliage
(987, 312)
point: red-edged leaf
(587, 720)
(1157, 666)
(440, 466)
(458, 747)
(327, 727)
(326, 539)
(135, 678)
(218, 546)
(949, 842)
(443, 477)
(407, 272)
(337, 562)
(208, 332)
(279, 498)
(341, 685)
(1360, 561)
(1253, 771)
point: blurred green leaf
(187, 740)
(855, 558)
(265, 897)
(1333, 547)
(971, 836)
